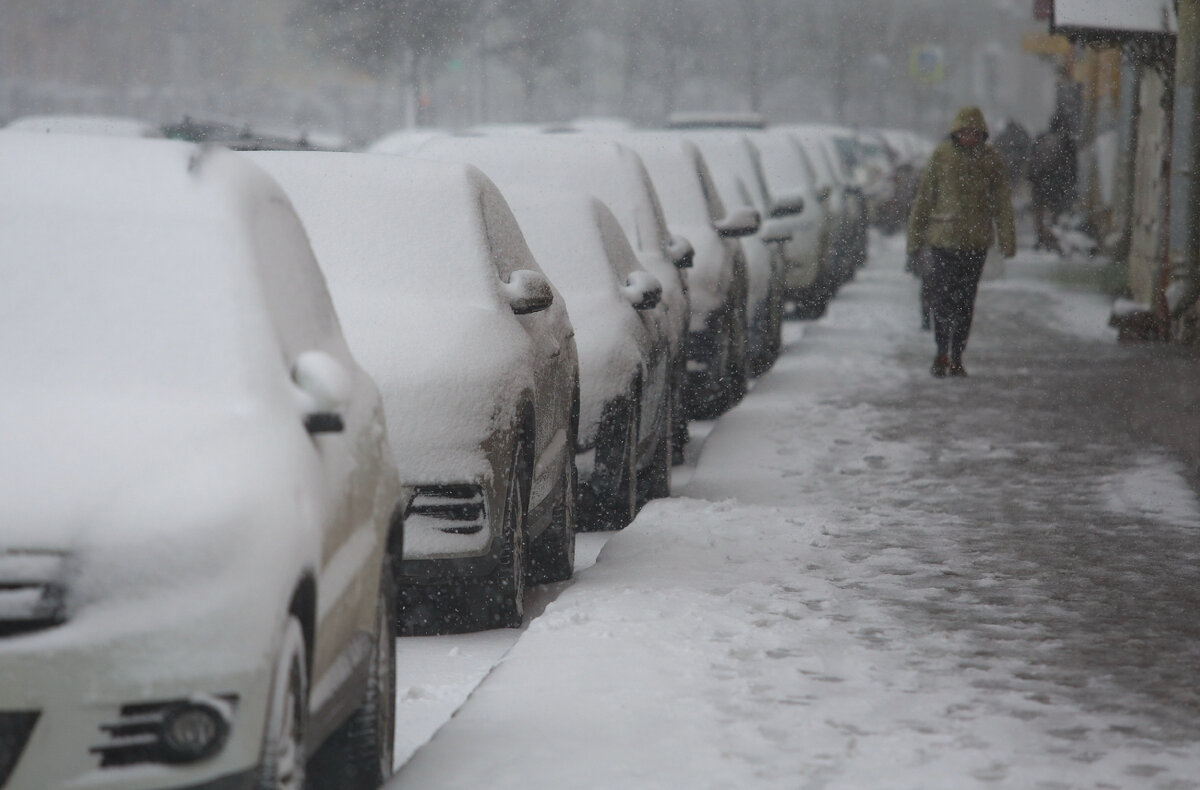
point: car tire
(611, 502)
(500, 601)
(552, 555)
(770, 332)
(654, 482)
(680, 435)
(359, 754)
(708, 396)
(284, 759)
(737, 367)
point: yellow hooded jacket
(963, 199)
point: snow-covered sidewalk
(878, 580)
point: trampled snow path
(878, 580)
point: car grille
(32, 590)
(15, 728)
(136, 736)
(460, 509)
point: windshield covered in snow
(115, 306)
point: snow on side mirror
(682, 253)
(744, 221)
(788, 205)
(643, 290)
(323, 387)
(528, 292)
(775, 233)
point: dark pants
(952, 283)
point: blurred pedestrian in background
(962, 203)
(1053, 171)
(1014, 144)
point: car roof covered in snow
(397, 223)
(784, 167)
(606, 169)
(576, 239)
(732, 159)
(104, 125)
(679, 171)
(404, 141)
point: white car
(847, 208)
(101, 125)
(807, 281)
(616, 175)
(717, 282)
(200, 512)
(737, 170)
(476, 360)
(624, 367)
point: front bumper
(87, 680)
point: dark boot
(941, 363)
(956, 369)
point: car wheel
(655, 481)
(284, 759)
(680, 436)
(611, 497)
(552, 555)
(708, 396)
(359, 754)
(770, 332)
(738, 367)
(501, 599)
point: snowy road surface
(871, 579)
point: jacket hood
(969, 118)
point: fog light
(195, 730)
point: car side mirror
(682, 253)
(643, 290)
(743, 221)
(824, 192)
(528, 292)
(775, 233)
(323, 389)
(787, 205)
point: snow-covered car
(846, 204)
(624, 368)
(616, 175)
(475, 357)
(200, 511)
(717, 282)
(737, 171)
(102, 125)
(807, 282)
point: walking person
(962, 204)
(1053, 171)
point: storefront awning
(1115, 18)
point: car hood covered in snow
(149, 494)
(405, 246)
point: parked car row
(270, 409)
